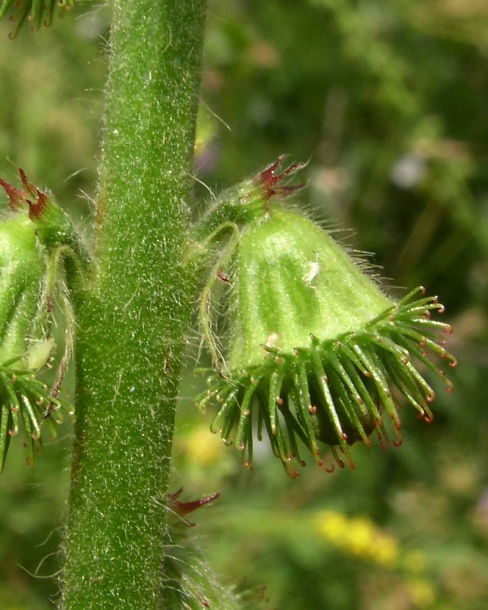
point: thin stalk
(132, 318)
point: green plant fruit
(35, 239)
(315, 351)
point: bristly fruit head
(34, 12)
(34, 240)
(315, 351)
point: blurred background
(387, 100)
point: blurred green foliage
(388, 100)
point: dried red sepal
(184, 508)
(35, 199)
(271, 176)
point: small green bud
(39, 353)
(315, 351)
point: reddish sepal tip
(270, 178)
(183, 508)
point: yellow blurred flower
(387, 549)
(331, 525)
(358, 536)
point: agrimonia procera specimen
(304, 343)
(313, 351)
(40, 256)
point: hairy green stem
(132, 318)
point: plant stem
(132, 318)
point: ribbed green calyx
(22, 269)
(291, 280)
(314, 352)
